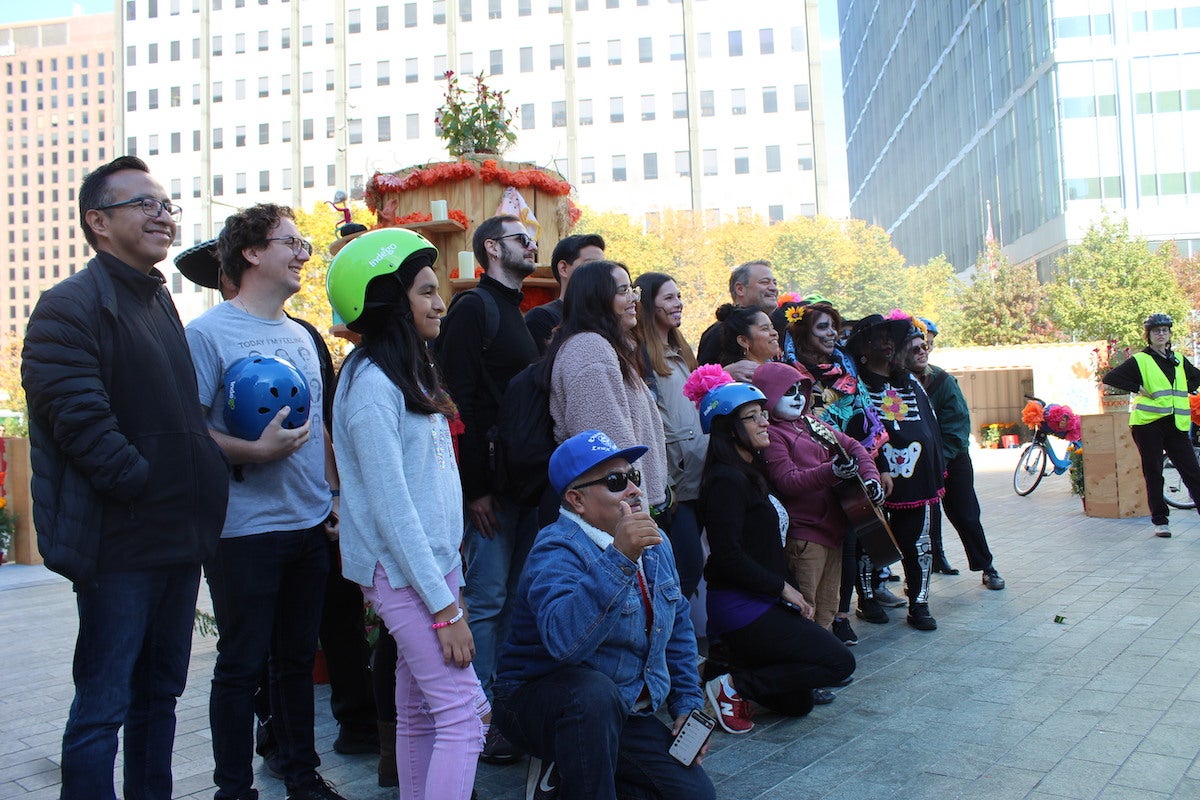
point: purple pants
(439, 706)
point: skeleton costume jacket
(913, 452)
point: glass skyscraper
(1025, 118)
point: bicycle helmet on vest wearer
(1158, 321)
(725, 400)
(373, 255)
(256, 388)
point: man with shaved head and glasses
(128, 488)
(600, 639)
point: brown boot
(387, 755)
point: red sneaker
(732, 712)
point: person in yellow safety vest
(1161, 418)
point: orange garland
(456, 214)
(383, 183)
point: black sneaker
(920, 618)
(315, 789)
(823, 697)
(498, 750)
(884, 597)
(992, 579)
(870, 611)
(842, 630)
(541, 780)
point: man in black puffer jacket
(129, 489)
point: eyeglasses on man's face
(150, 206)
(615, 481)
(294, 243)
(524, 239)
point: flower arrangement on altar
(474, 122)
(1075, 456)
(1106, 361)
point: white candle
(466, 264)
(437, 208)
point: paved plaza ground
(999, 702)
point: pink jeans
(439, 706)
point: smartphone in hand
(691, 737)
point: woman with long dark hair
(747, 336)
(840, 400)
(402, 503)
(668, 361)
(595, 374)
(759, 623)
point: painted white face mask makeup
(791, 405)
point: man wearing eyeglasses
(268, 576)
(601, 637)
(129, 490)
(751, 285)
(483, 344)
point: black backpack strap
(491, 313)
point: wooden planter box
(1112, 468)
(23, 548)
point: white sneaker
(1162, 531)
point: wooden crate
(23, 549)
(1112, 470)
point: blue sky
(17, 11)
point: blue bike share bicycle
(1038, 459)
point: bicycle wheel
(1030, 468)
(1174, 492)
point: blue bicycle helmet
(256, 388)
(725, 400)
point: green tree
(1110, 282)
(1003, 304)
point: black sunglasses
(614, 481)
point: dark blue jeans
(131, 660)
(575, 717)
(267, 592)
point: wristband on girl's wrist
(437, 626)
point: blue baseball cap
(583, 451)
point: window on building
(524, 8)
(440, 65)
(614, 52)
(306, 82)
(176, 143)
(131, 101)
(439, 12)
(354, 21)
(556, 56)
(708, 103)
(329, 80)
(583, 54)
(766, 41)
(798, 41)
(174, 51)
(152, 53)
(650, 166)
(152, 98)
(285, 131)
(526, 115)
(647, 107)
(306, 130)
(239, 182)
(526, 59)
(381, 18)
(770, 100)
(383, 73)
(494, 10)
(645, 50)
(410, 70)
(465, 12)
(558, 114)
(616, 109)
(618, 169)
(709, 158)
(737, 103)
(309, 177)
(741, 160)
(735, 43)
(354, 76)
(410, 15)
(496, 62)
(218, 185)
(772, 158)
(130, 59)
(683, 163)
(675, 46)
(801, 96)
(585, 112)
(385, 129)
(152, 144)
(306, 39)
(679, 105)
(412, 126)
(264, 133)
(239, 136)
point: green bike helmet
(379, 253)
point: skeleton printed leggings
(911, 527)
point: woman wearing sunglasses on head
(763, 643)
(594, 371)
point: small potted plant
(474, 122)
(1112, 399)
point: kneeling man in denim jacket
(600, 638)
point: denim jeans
(267, 592)
(131, 660)
(439, 706)
(492, 568)
(575, 717)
